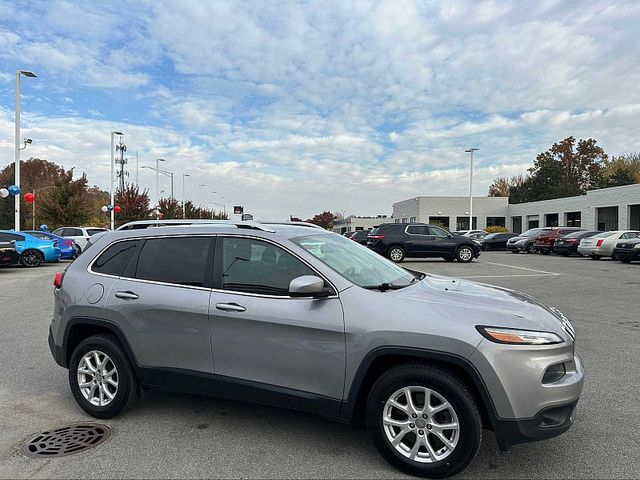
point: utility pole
(29, 74)
(111, 191)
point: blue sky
(299, 107)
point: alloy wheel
(465, 254)
(396, 254)
(97, 378)
(421, 424)
(31, 259)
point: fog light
(554, 373)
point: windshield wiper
(383, 287)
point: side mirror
(308, 286)
(450, 235)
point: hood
(630, 242)
(484, 304)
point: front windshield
(353, 261)
(533, 232)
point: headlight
(521, 241)
(518, 337)
(637, 245)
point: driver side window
(255, 266)
(438, 231)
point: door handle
(230, 307)
(127, 295)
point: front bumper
(548, 423)
(516, 247)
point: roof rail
(142, 224)
(295, 224)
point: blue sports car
(32, 250)
(67, 247)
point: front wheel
(31, 258)
(423, 420)
(100, 377)
(464, 254)
(625, 260)
(530, 248)
(594, 257)
(396, 254)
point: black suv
(399, 240)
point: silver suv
(292, 316)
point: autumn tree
(623, 170)
(324, 220)
(96, 199)
(134, 204)
(500, 187)
(169, 208)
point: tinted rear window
(93, 231)
(179, 260)
(114, 259)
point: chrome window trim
(146, 237)
(406, 230)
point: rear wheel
(423, 420)
(31, 258)
(464, 254)
(594, 257)
(530, 248)
(396, 254)
(545, 252)
(100, 377)
(624, 260)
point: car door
(265, 342)
(441, 242)
(417, 241)
(161, 303)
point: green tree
(623, 170)
(66, 203)
(500, 187)
(134, 204)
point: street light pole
(471, 150)
(184, 211)
(200, 195)
(111, 191)
(158, 160)
(29, 74)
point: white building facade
(605, 209)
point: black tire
(530, 248)
(128, 389)
(625, 260)
(594, 257)
(396, 253)
(465, 254)
(565, 254)
(545, 252)
(31, 258)
(449, 259)
(514, 251)
(78, 250)
(448, 386)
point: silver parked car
(602, 244)
(292, 316)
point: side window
(179, 260)
(417, 230)
(254, 266)
(76, 232)
(8, 237)
(58, 232)
(114, 259)
(438, 231)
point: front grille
(567, 327)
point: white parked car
(602, 244)
(79, 235)
(477, 234)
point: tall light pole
(470, 151)
(200, 195)
(29, 74)
(111, 191)
(158, 160)
(184, 211)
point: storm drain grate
(66, 440)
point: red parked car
(544, 243)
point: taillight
(571, 240)
(599, 242)
(69, 243)
(57, 280)
(376, 237)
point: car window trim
(141, 242)
(217, 276)
(406, 230)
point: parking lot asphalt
(174, 435)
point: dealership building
(604, 209)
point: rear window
(179, 260)
(374, 231)
(603, 235)
(115, 259)
(93, 231)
